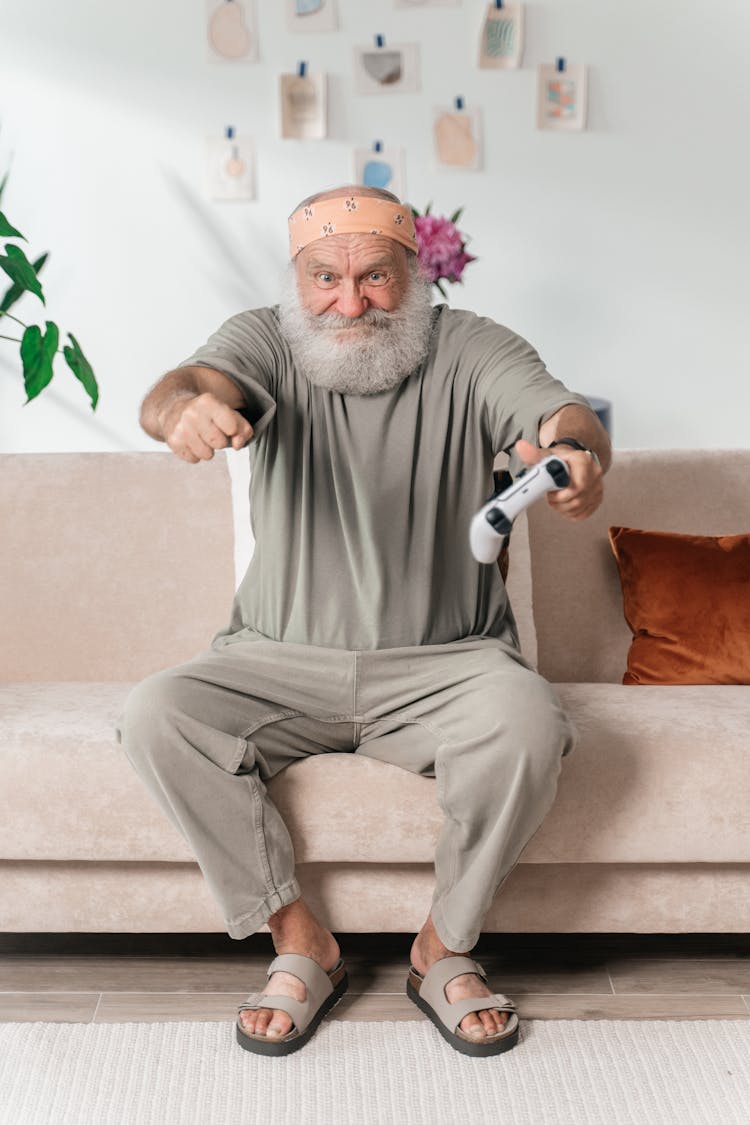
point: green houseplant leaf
(19, 269)
(81, 368)
(7, 231)
(17, 291)
(37, 353)
(37, 350)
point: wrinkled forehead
(352, 251)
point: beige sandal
(324, 990)
(428, 993)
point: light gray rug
(576, 1072)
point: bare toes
(475, 1029)
(279, 1026)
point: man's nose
(351, 302)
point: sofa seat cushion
(659, 775)
(70, 792)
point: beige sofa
(118, 564)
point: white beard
(384, 347)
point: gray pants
(206, 735)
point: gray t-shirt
(360, 505)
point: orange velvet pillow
(687, 601)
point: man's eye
(326, 277)
(377, 276)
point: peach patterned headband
(353, 214)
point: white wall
(620, 252)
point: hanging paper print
(311, 15)
(381, 168)
(561, 96)
(502, 36)
(384, 66)
(231, 30)
(386, 70)
(303, 105)
(230, 167)
(458, 136)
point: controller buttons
(559, 473)
(499, 522)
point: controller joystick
(492, 524)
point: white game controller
(493, 522)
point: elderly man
(363, 624)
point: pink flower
(441, 246)
(460, 264)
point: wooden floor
(115, 978)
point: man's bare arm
(185, 383)
(582, 424)
(195, 411)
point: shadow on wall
(228, 271)
(235, 275)
(11, 373)
(581, 310)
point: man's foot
(294, 931)
(425, 951)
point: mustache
(375, 318)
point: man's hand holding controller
(196, 425)
(573, 485)
(585, 491)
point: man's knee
(537, 728)
(543, 728)
(150, 704)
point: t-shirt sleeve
(517, 390)
(246, 349)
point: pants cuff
(450, 939)
(249, 923)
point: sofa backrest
(581, 631)
(113, 565)
(518, 583)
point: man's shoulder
(466, 326)
(265, 315)
(253, 328)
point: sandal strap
(441, 972)
(315, 979)
(301, 1011)
(432, 989)
(254, 1000)
(457, 1009)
